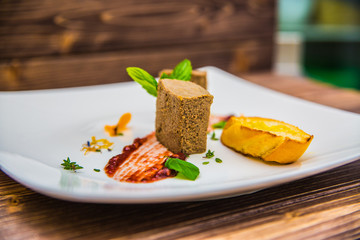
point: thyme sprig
(68, 165)
(209, 154)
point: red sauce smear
(141, 162)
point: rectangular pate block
(182, 116)
(198, 77)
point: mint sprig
(182, 71)
(142, 77)
(164, 75)
(187, 169)
(218, 125)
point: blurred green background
(323, 38)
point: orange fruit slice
(268, 139)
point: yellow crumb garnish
(96, 145)
(117, 129)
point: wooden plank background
(53, 44)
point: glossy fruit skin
(267, 139)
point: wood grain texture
(323, 206)
(102, 68)
(54, 44)
(308, 89)
(43, 27)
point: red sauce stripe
(143, 163)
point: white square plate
(41, 128)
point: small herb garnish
(68, 165)
(209, 154)
(120, 134)
(213, 137)
(187, 169)
(206, 163)
(96, 170)
(218, 160)
(219, 125)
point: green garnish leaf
(209, 154)
(68, 165)
(142, 77)
(206, 163)
(213, 137)
(164, 75)
(96, 170)
(182, 71)
(220, 125)
(218, 160)
(120, 134)
(187, 169)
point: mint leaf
(182, 71)
(142, 77)
(187, 169)
(220, 125)
(164, 75)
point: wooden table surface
(323, 206)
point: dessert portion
(182, 122)
(267, 139)
(197, 76)
(182, 116)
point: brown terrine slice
(182, 116)
(198, 77)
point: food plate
(41, 128)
